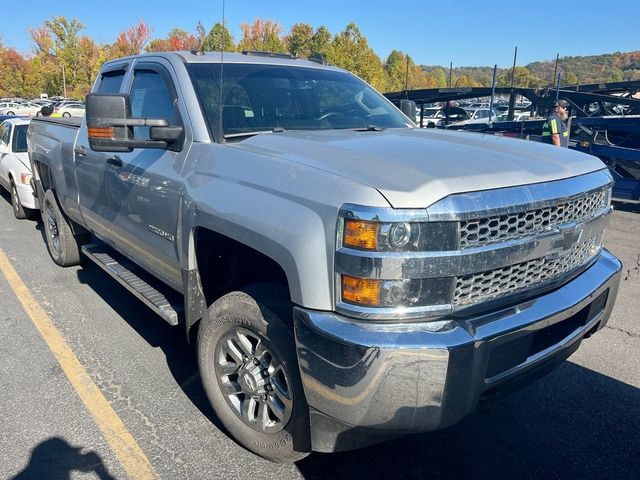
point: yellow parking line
(128, 452)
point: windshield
(20, 139)
(268, 97)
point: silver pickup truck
(345, 276)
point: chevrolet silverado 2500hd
(345, 276)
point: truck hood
(413, 168)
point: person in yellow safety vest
(554, 130)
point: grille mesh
(483, 286)
(485, 231)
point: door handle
(80, 150)
(116, 161)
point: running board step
(161, 299)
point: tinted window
(151, 98)
(20, 139)
(264, 97)
(111, 81)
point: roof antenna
(221, 75)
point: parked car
(517, 116)
(27, 109)
(345, 276)
(437, 116)
(15, 169)
(8, 105)
(69, 110)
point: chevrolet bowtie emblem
(567, 239)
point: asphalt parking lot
(581, 421)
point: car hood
(413, 168)
(22, 161)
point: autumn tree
(350, 50)
(13, 69)
(403, 73)
(131, 41)
(262, 36)
(178, 39)
(218, 38)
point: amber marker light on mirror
(361, 291)
(360, 234)
(102, 132)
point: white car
(69, 110)
(24, 109)
(15, 169)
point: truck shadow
(574, 423)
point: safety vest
(555, 125)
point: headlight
(378, 262)
(25, 178)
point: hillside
(609, 67)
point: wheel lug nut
(256, 361)
(269, 388)
(265, 372)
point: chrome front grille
(483, 286)
(500, 228)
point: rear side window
(111, 81)
(20, 139)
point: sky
(465, 32)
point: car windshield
(20, 138)
(258, 98)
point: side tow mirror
(110, 126)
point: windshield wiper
(251, 133)
(369, 128)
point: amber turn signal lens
(360, 234)
(361, 291)
(102, 132)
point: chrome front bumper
(364, 378)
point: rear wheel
(11, 113)
(63, 245)
(246, 355)
(66, 114)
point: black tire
(249, 312)
(66, 114)
(11, 113)
(63, 245)
(18, 210)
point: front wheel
(18, 210)
(11, 113)
(66, 114)
(63, 245)
(247, 360)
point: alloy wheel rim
(253, 381)
(53, 229)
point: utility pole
(450, 72)
(512, 95)
(555, 72)
(64, 81)
(406, 75)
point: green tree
(219, 38)
(299, 40)
(321, 42)
(66, 47)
